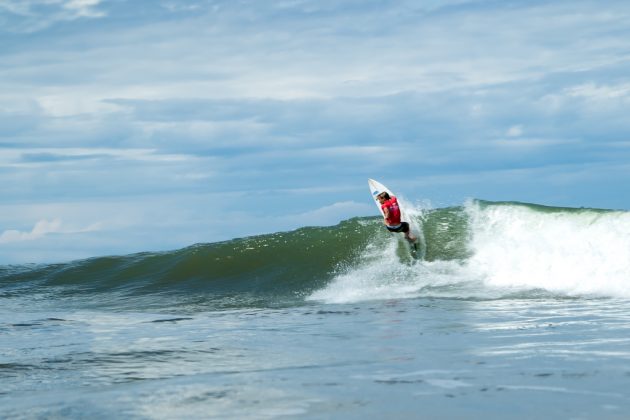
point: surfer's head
(382, 197)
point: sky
(136, 125)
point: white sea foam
(570, 252)
(382, 275)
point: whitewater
(516, 310)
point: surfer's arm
(385, 214)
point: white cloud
(176, 7)
(69, 104)
(600, 92)
(521, 143)
(16, 7)
(515, 131)
(37, 15)
(84, 8)
(44, 156)
(42, 228)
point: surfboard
(375, 189)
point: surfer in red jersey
(391, 212)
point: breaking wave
(481, 250)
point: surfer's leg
(407, 231)
(413, 241)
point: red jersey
(394, 211)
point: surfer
(391, 214)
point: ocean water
(515, 311)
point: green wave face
(482, 250)
(264, 270)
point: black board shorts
(403, 227)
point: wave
(260, 270)
(481, 250)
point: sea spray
(416, 214)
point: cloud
(29, 16)
(515, 131)
(14, 157)
(42, 228)
(176, 7)
(83, 8)
(67, 104)
(600, 92)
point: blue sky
(132, 125)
